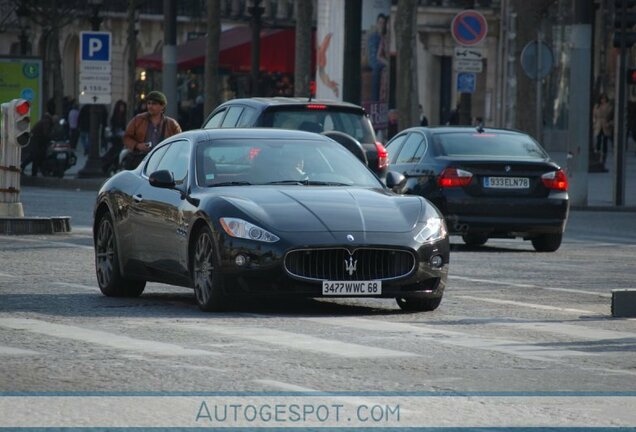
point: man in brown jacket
(148, 129)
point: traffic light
(624, 12)
(19, 126)
(631, 76)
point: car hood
(334, 209)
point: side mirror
(395, 181)
(162, 179)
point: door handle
(138, 198)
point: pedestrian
(603, 125)
(453, 116)
(84, 127)
(423, 118)
(40, 140)
(73, 124)
(148, 129)
(392, 128)
(118, 122)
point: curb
(93, 184)
(35, 225)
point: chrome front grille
(338, 264)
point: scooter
(59, 158)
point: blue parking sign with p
(95, 46)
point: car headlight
(435, 229)
(239, 228)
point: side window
(154, 160)
(412, 150)
(394, 147)
(177, 160)
(246, 117)
(232, 116)
(215, 121)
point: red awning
(277, 51)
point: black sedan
(237, 213)
(488, 183)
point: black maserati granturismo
(239, 213)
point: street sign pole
(95, 89)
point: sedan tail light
(555, 180)
(383, 156)
(454, 177)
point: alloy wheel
(203, 268)
(105, 252)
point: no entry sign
(469, 27)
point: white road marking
(455, 338)
(5, 350)
(574, 331)
(74, 285)
(520, 285)
(299, 341)
(98, 337)
(7, 275)
(528, 305)
(285, 386)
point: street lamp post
(257, 12)
(23, 22)
(93, 166)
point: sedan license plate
(60, 156)
(346, 288)
(507, 182)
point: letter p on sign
(94, 45)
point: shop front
(277, 56)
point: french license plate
(60, 156)
(346, 288)
(507, 182)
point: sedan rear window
(487, 145)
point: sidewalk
(70, 179)
(600, 184)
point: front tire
(109, 277)
(418, 304)
(547, 242)
(475, 240)
(208, 283)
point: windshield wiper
(307, 183)
(231, 183)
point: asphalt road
(513, 323)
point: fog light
(240, 260)
(436, 261)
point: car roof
(464, 129)
(263, 102)
(248, 133)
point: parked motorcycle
(59, 158)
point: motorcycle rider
(148, 129)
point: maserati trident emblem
(350, 265)
(350, 237)
(507, 168)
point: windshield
(487, 145)
(238, 162)
(352, 123)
